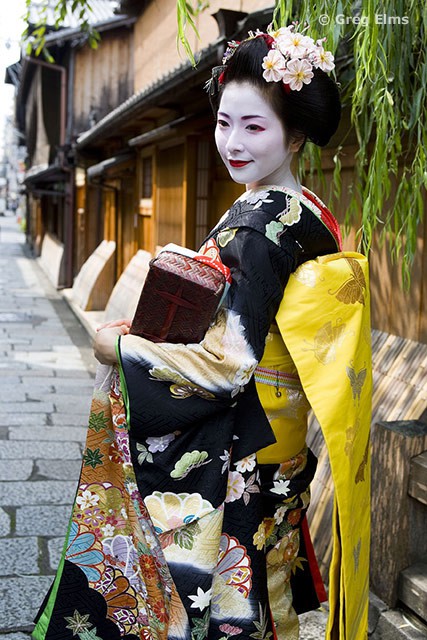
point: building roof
(73, 33)
(101, 11)
(103, 15)
(48, 178)
(231, 23)
(13, 73)
(170, 81)
(98, 169)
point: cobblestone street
(46, 371)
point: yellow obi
(283, 399)
(324, 321)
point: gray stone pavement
(46, 370)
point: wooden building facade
(175, 188)
(180, 188)
(137, 163)
(55, 102)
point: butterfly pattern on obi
(356, 555)
(357, 379)
(360, 474)
(327, 340)
(354, 288)
(350, 434)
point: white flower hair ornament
(292, 56)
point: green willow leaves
(382, 66)
(39, 15)
(185, 15)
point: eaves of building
(76, 35)
(168, 87)
(100, 11)
(173, 87)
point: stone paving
(46, 371)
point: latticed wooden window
(147, 177)
(146, 184)
(202, 191)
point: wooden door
(169, 195)
(128, 223)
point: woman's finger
(115, 323)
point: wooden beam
(418, 478)
(399, 522)
(413, 589)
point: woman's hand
(104, 345)
(115, 323)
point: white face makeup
(251, 140)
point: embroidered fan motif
(357, 380)
(85, 551)
(174, 510)
(120, 597)
(188, 390)
(353, 289)
(360, 474)
(180, 387)
(327, 340)
(234, 565)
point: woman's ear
(295, 143)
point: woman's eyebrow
(249, 117)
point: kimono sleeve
(159, 378)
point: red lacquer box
(179, 298)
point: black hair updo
(313, 112)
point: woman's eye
(222, 123)
(254, 127)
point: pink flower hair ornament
(291, 58)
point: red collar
(326, 216)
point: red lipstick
(239, 163)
